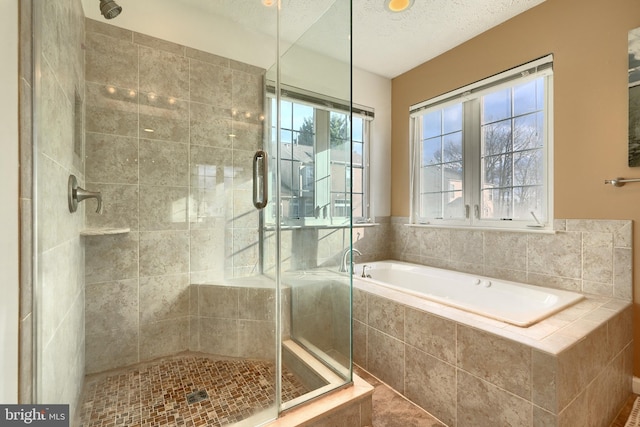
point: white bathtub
(515, 303)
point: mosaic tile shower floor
(154, 393)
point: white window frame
(323, 105)
(470, 96)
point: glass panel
(358, 154)
(319, 304)
(496, 106)
(528, 131)
(528, 97)
(527, 200)
(431, 178)
(496, 203)
(452, 119)
(432, 124)
(431, 205)
(527, 168)
(452, 147)
(498, 171)
(183, 156)
(453, 205)
(496, 138)
(432, 151)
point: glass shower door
(307, 221)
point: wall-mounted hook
(78, 194)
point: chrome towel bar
(619, 182)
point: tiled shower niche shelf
(104, 231)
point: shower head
(109, 9)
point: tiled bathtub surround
(587, 256)
(572, 369)
(158, 122)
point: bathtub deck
(552, 335)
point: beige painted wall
(588, 39)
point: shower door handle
(260, 187)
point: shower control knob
(486, 283)
(476, 282)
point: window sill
(321, 226)
(533, 230)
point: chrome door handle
(260, 184)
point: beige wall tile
(597, 257)
(110, 349)
(210, 84)
(111, 113)
(218, 301)
(544, 375)
(622, 274)
(467, 246)
(159, 44)
(385, 358)
(164, 298)
(435, 242)
(256, 304)
(555, 254)
(576, 413)
(164, 337)
(111, 61)
(163, 208)
(507, 250)
(164, 163)
(108, 30)
(211, 125)
(386, 316)
(163, 73)
(207, 57)
(579, 365)
(360, 305)
(256, 339)
(360, 344)
(431, 334)
(206, 251)
(481, 404)
(111, 258)
(163, 117)
(219, 336)
(247, 95)
(119, 206)
(542, 418)
(111, 158)
(111, 305)
(502, 362)
(164, 252)
(431, 383)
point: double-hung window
(323, 159)
(481, 155)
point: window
(318, 141)
(481, 155)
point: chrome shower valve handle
(78, 194)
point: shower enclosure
(216, 136)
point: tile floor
(622, 417)
(390, 409)
(154, 393)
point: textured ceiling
(391, 43)
(384, 43)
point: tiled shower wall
(60, 253)
(590, 256)
(158, 146)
